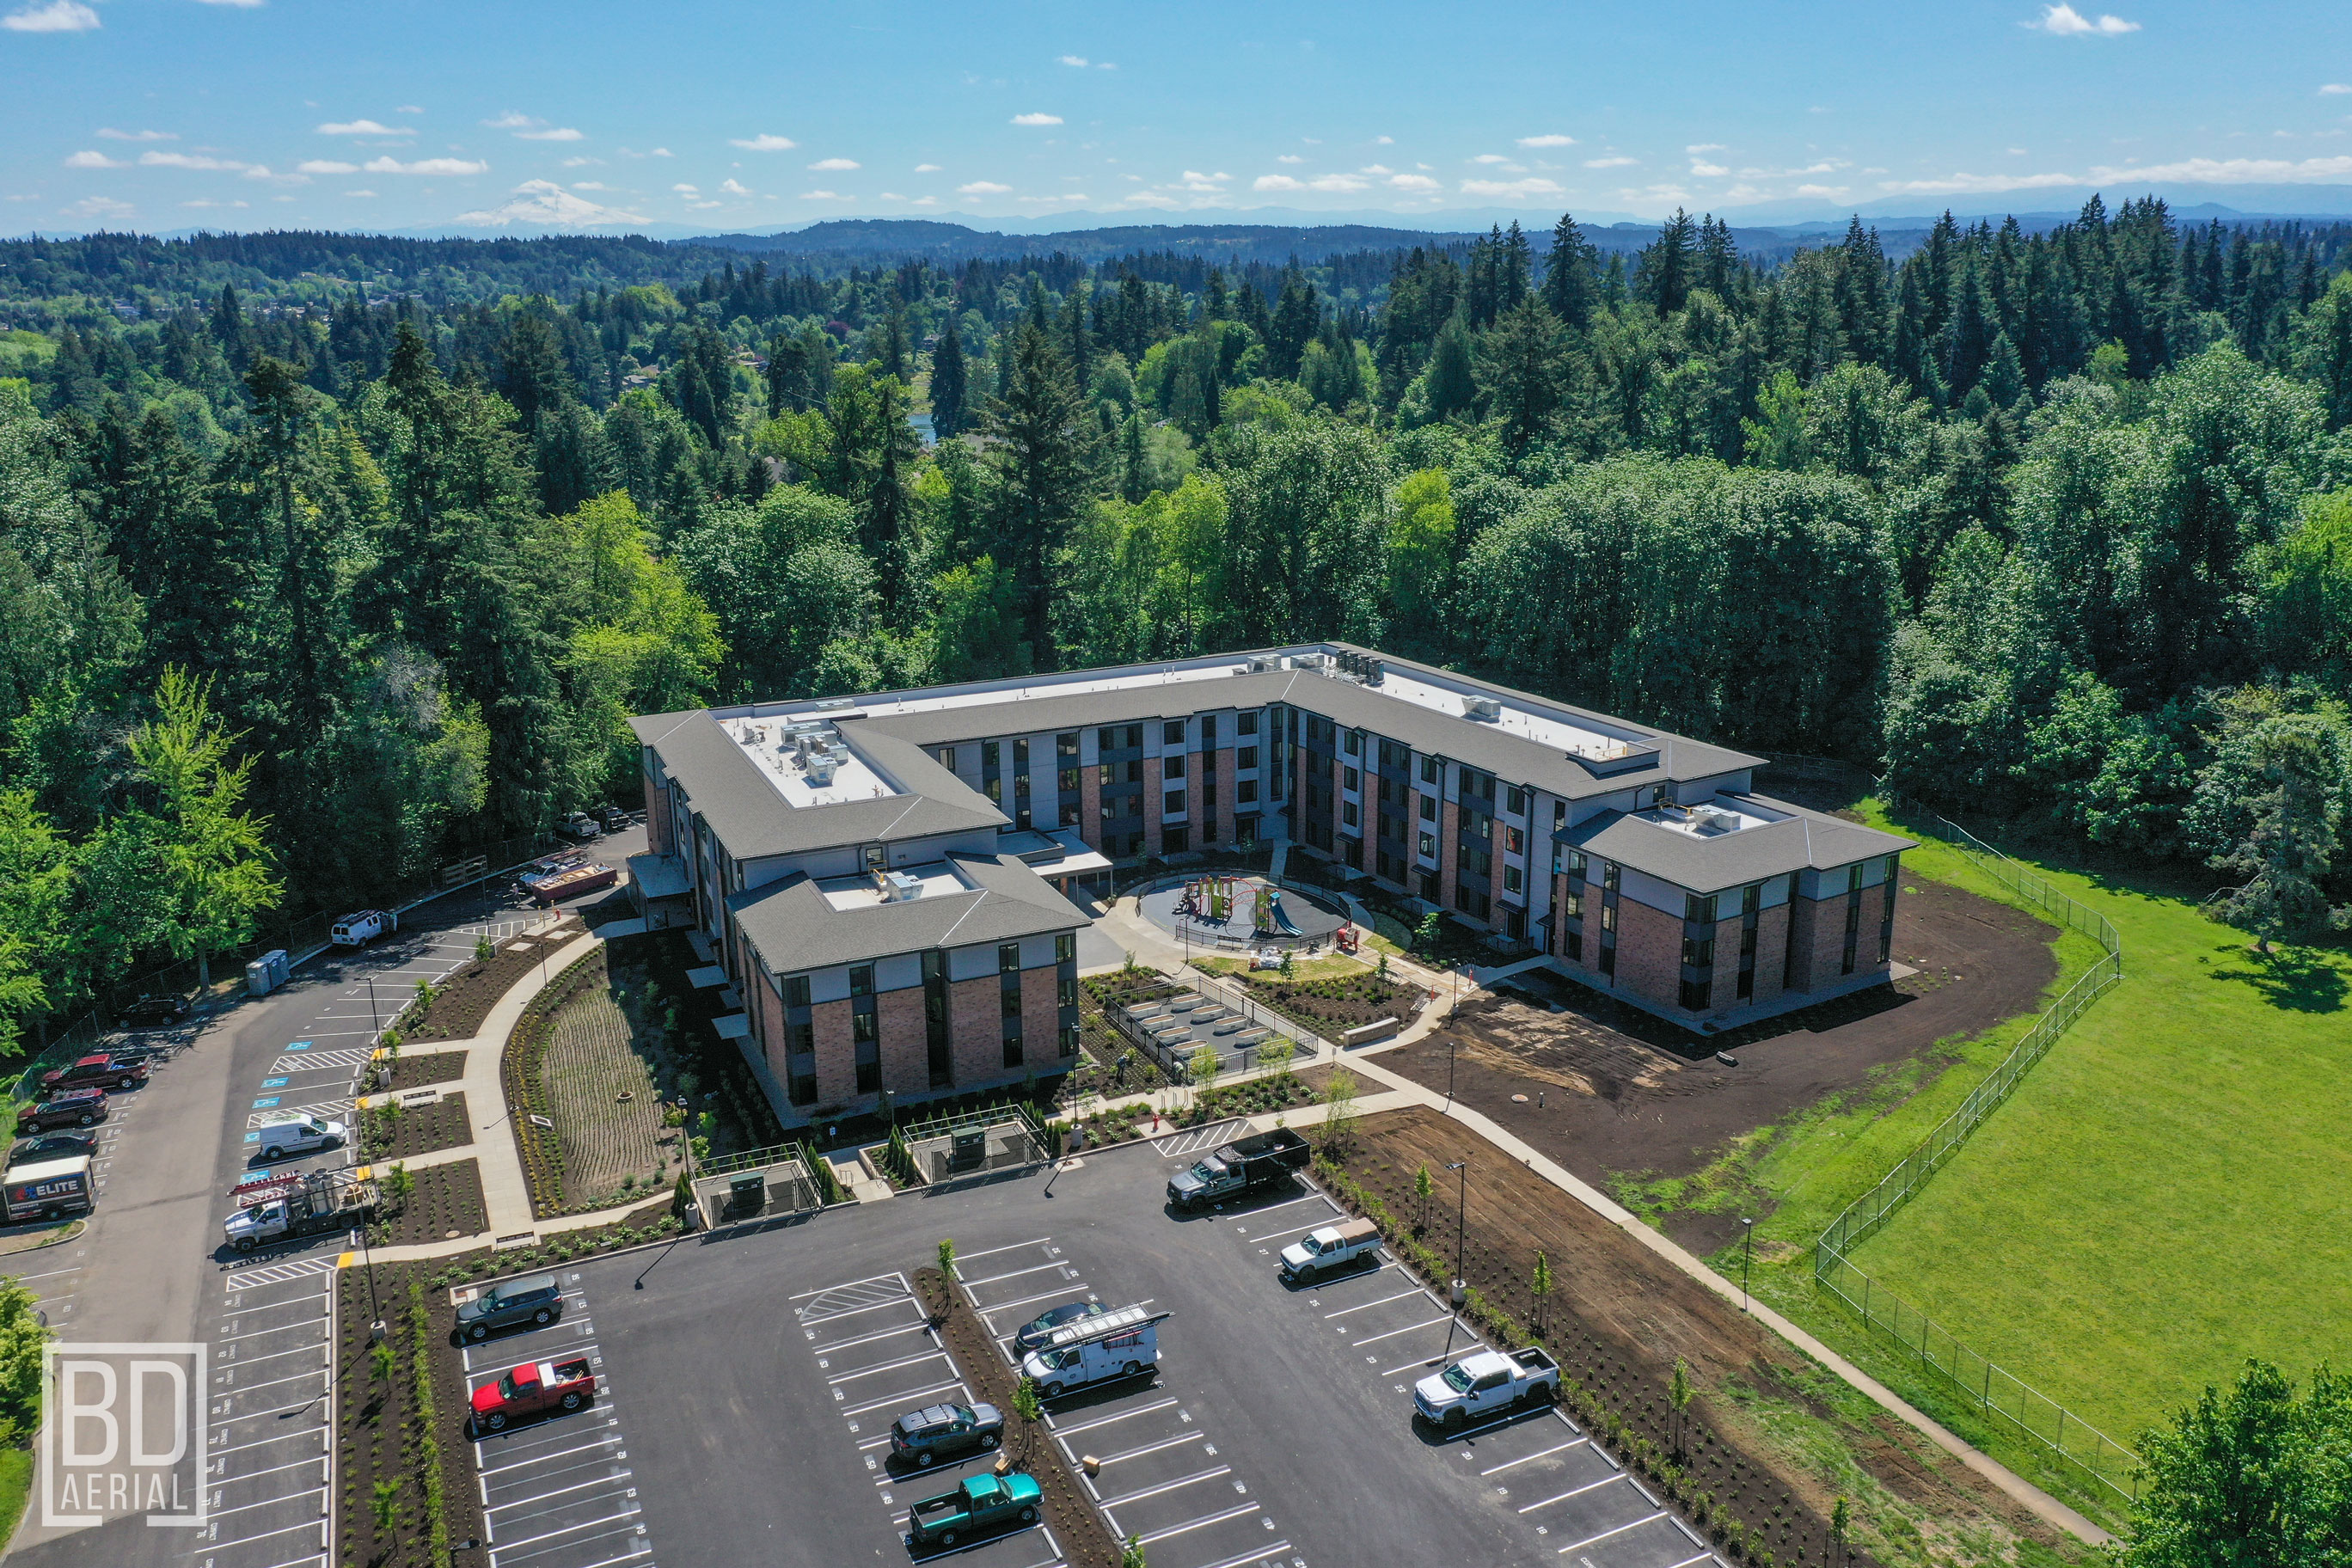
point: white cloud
(924, 201)
(665, 153)
(552, 133)
(1552, 139)
(407, 109)
(452, 166)
(1383, 141)
(926, 168)
(1697, 147)
(1106, 65)
(1289, 158)
(582, 162)
(1490, 158)
(824, 196)
(97, 207)
(1977, 185)
(111, 134)
(734, 188)
(95, 160)
(208, 202)
(829, 165)
(587, 185)
(1036, 120)
(510, 121)
(1078, 61)
(1619, 162)
(368, 194)
(685, 190)
(2069, 23)
(763, 143)
(1530, 186)
(192, 161)
(1376, 169)
(57, 17)
(325, 166)
(1706, 171)
(545, 204)
(363, 128)
(240, 5)
(2332, 90)
(1827, 193)
(2233, 171)
(1415, 185)
(984, 188)
(892, 196)
(1150, 199)
(1277, 183)
(1194, 177)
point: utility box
(267, 973)
(747, 1193)
(969, 1149)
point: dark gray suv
(536, 1300)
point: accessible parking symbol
(125, 1434)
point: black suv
(534, 1298)
(943, 1431)
(74, 1107)
(53, 1146)
(149, 1012)
(1033, 1336)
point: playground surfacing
(1238, 909)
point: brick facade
(1227, 787)
(1090, 816)
(1772, 952)
(1041, 1022)
(976, 1030)
(836, 1053)
(906, 1048)
(1449, 829)
(770, 1028)
(657, 824)
(1649, 953)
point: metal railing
(2040, 1420)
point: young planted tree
(1031, 1408)
(1539, 1287)
(1424, 936)
(947, 1269)
(1841, 1521)
(1130, 1554)
(1678, 1397)
(1275, 1056)
(1203, 1069)
(1424, 1186)
(1338, 1108)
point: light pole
(373, 1016)
(1450, 1046)
(1746, 1236)
(1457, 1295)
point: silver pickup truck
(1484, 1383)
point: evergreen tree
(1040, 438)
(947, 383)
(1664, 275)
(1570, 287)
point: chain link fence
(2044, 1423)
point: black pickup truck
(1238, 1168)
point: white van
(295, 1133)
(1121, 1343)
(361, 927)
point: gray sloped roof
(794, 929)
(727, 787)
(1804, 840)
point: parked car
(534, 1298)
(579, 826)
(293, 1207)
(1484, 1383)
(74, 1107)
(295, 1133)
(361, 927)
(1332, 1248)
(102, 1068)
(980, 1502)
(536, 1388)
(53, 1146)
(613, 818)
(1040, 1329)
(942, 1431)
(548, 865)
(153, 1011)
(1239, 1168)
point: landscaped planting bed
(392, 1131)
(1113, 1066)
(1332, 1005)
(1768, 1443)
(457, 1008)
(1252, 1097)
(600, 1092)
(447, 1203)
(422, 1071)
(401, 1420)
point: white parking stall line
(1473, 1347)
(282, 1328)
(1530, 1458)
(1153, 1447)
(906, 1398)
(852, 1285)
(1285, 1203)
(1691, 1561)
(1366, 1306)
(1572, 1491)
(869, 1339)
(624, 1557)
(1028, 1301)
(964, 1258)
(1152, 1491)
(507, 1549)
(1187, 1529)
(1011, 1274)
(263, 1442)
(1588, 1541)
(299, 1562)
(588, 1348)
(1061, 1431)
(272, 1471)
(886, 1366)
(1266, 1554)
(828, 1317)
(265, 1502)
(1375, 1339)
(606, 1441)
(317, 1524)
(1294, 1230)
(279, 1410)
(273, 1355)
(275, 1382)
(559, 1491)
(24, 1279)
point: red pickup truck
(535, 1388)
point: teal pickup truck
(982, 1502)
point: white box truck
(1121, 1343)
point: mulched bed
(1332, 1008)
(460, 1004)
(1620, 1093)
(1619, 1317)
(417, 1129)
(1252, 1096)
(1086, 1540)
(448, 1202)
(381, 1434)
(433, 1066)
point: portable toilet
(267, 973)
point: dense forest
(302, 593)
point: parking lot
(1277, 1430)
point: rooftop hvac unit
(1311, 662)
(1714, 819)
(1260, 666)
(1375, 671)
(819, 766)
(898, 888)
(1488, 709)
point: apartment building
(888, 879)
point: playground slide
(1281, 916)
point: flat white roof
(939, 880)
(1728, 816)
(1545, 729)
(766, 741)
(1046, 686)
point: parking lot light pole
(1746, 1236)
(1458, 1296)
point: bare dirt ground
(1619, 1317)
(1607, 1091)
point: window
(1019, 785)
(1134, 735)
(1106, 738)
(988, 756)
(1246, 724)
(1573, 863)
(1068, 780)
(1854, 877)
(1575, 906)
(800, 1039)
(1070, 815)
(861, 980)
(1353, 742)
(1429, 846)
(1172, 732)
(1558, 814)
(1696, 994)
(946, 755)
(1349, 814)
(1608, 959)
(1176, 840)
(1107, 776)
(1513, 878)
(1066, 992)
(1070, 1040)
(796, 991)
(1171, 766)
(1172, 804)
(1429, 808)
(1245, 758)
(1012, 1050)
(1698, 952)
(1066, 745)
(1011, 997)
(1575, 945)
(1135, 770)
(1429, 770)
(994, 789)
(865, 1027)
(1515, 841)
(1208, 731)
(1608, 917)
(1610, 874)
(1008, 958)
(1429, 886)
(1066, 947)
(1246, 791)
(1892, 861)
(1514, 800)
(1698, 911)
(1350, 779)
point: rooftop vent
(1260, 666)
(1713, 819)
(820, 766)
(1488, 709)
(898, 886)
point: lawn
(2161, 1198)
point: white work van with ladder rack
(1121, 1343)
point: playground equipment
(1272, 903)
(1208, 898)
(1346, 938)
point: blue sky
(168, 114)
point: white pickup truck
(1485, 1384)
(1334, 1247)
